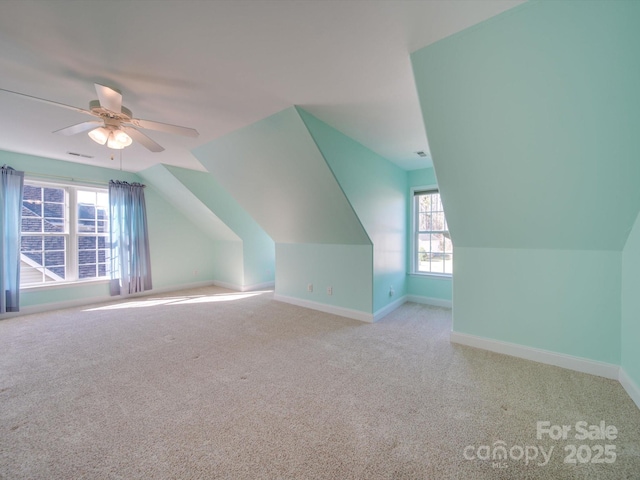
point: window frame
(70, 233)
(415, 232)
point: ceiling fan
(116, 126)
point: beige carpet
(210, 384)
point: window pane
(31, 224)
(424, 220)
(53, 210)
(86, 242)
(54, 242)
(31, 243)
(86, 211)
(437, 221)
(32, 192)
(86, 256)
(53, 258)
(31, 209)
(87, 271)
(34, 256)
(90, 253)
(53, 195)
(59, 271)
(86, 226)
(54, 225)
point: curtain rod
(46, 176)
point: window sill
(443, 276)
(58, 285)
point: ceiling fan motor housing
(124, 115)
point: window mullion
(416, 236)
(72, 247)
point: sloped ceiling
(218, 66)
(533, 123)
(178, 195)
(275, 171)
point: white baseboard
(630, 386)
(570, 362)
(172, 288)
(323, 307)
(244, 288)
(47, 307)
(436, 302)
(259, 286)
(384, 311)
(80, 302)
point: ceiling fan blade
(109, 98)
(165, 127)
(80, 127)
(140, 137)
(50, 102)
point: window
(432, 246)
(65, 233)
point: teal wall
(428, 286)
(224, 249)
(180, 253)
(178, 248)
(377, 190)
(532, 120)
(181, 197)
(630, 329)
(258, 249)
(345, 268)
(557, 300)
(273, 169)
(275, 172)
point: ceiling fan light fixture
(114, 137)
(99, 135)
(122, 138)
(118, 140)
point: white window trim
(71, 222)
(413, 271)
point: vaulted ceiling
(218, 66)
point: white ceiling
(218, 66)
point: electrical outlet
(310, 288)
(329, 290)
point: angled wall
(225, 247)
(532, 123)
(273, 169)
(276, 173)
(630, 329)
(244, 253)
(377, 190)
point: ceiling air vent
(421, 154)
(82, 155)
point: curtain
(130, 259)
(11, 188)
